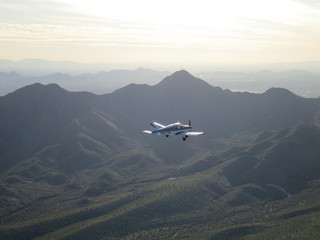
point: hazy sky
(167, 32)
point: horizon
(29, 67)
(303, 83)
(171, 34)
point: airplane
(173, 129)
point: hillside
(220, 112)
(75, 165)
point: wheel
(167, 135)
(184, 138)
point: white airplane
(173, 129)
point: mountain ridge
(98, 83)
(193, 100)
(84, 166)
(288, 161)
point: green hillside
(77, 165)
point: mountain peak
(38, 89)
(181, 73)
(180, 78)
(279, 92)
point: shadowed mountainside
(76, 165)
(39, 117)
(289, 159)
(219, 112)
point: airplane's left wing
(147, 131)
(194, 133)
(150, 132)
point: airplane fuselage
(173, 129)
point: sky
(177, 33)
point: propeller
(189, 123)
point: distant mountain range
(77, 165)
(36, 67)
(98, 83)
(302, 78)
(302, 83)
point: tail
(156, 125)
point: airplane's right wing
(156, 125)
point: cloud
(310, 3)
(49, 22)
(208, 31)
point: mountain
(46, 116)
(288, 159)
(77, 165)
(9, 76)
(9, 82)
(302, 78)
(99, 83)
(302, 83)
(220, 112)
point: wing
(156, 125)
(194, 133)
(146, 131)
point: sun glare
(202, 30)
(225, 13)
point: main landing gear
(184, 138)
